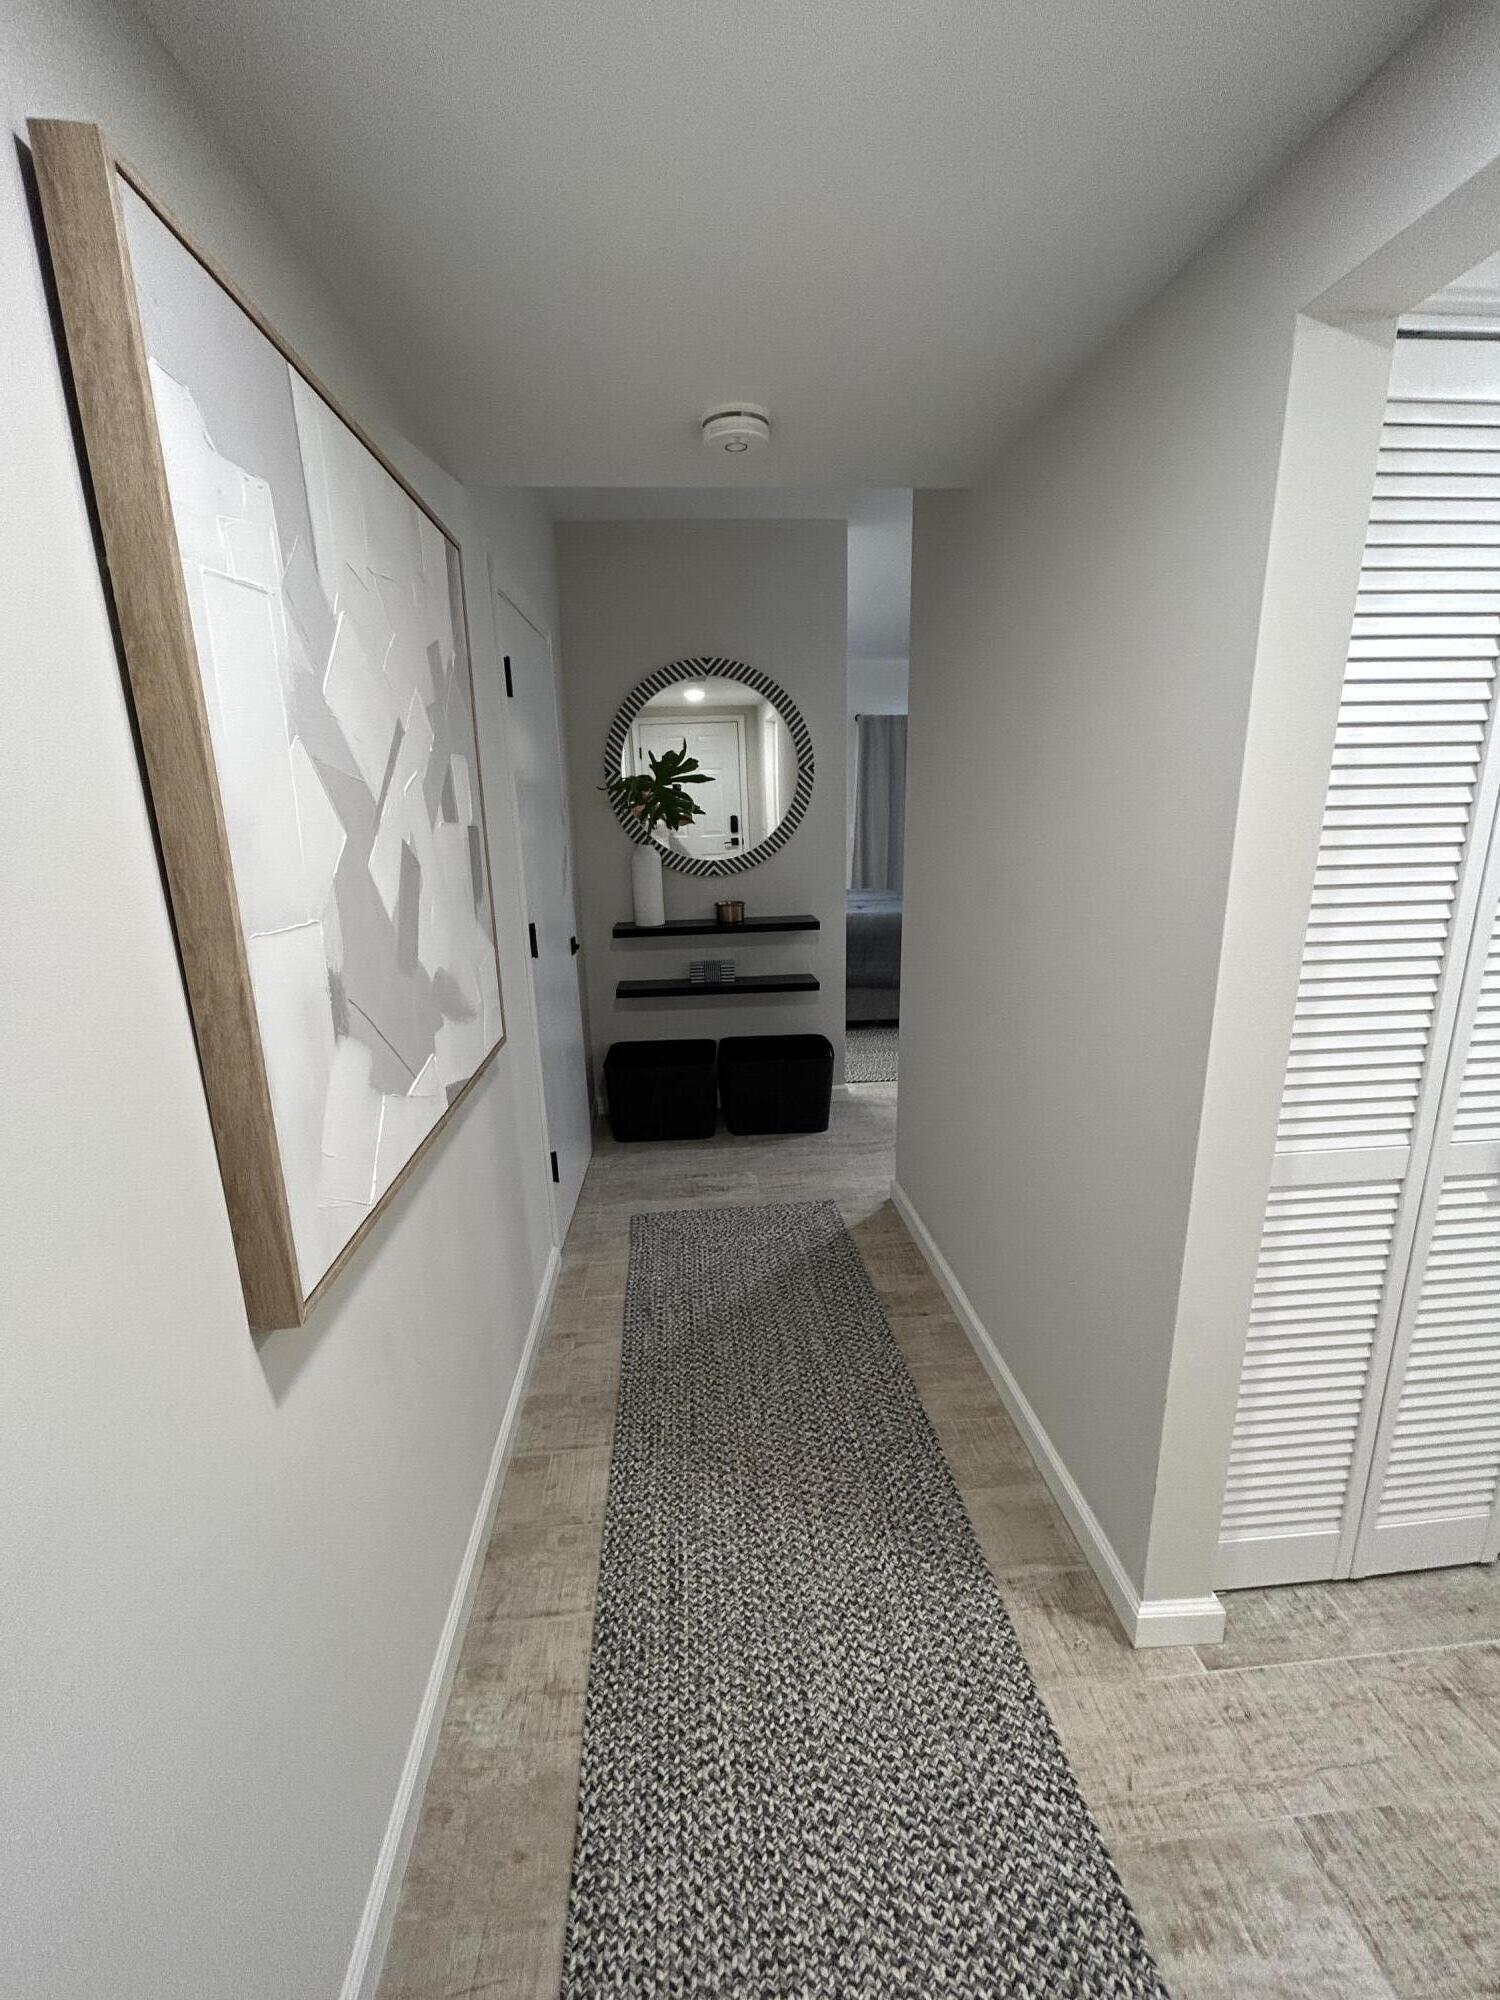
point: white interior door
(1397, 892)
(718, 742)
(540, 779)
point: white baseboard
(1176, 1621)
(365, 1961)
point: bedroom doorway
(877, 703)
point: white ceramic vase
(645, 883)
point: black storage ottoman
(662, 1090)
(776, 1083)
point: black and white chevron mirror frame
(702, 667)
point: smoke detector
(737, 428)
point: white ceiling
(570, 226)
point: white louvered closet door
(1405, 829)
(1435, 1477)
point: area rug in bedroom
(870, 1055)
(815, 1762)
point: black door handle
(573, 946)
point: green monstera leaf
(657, 798)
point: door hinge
(531, 934)
(555, 1174)
(573, 946)
(510, 686)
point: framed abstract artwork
(292, 619)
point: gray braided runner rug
(815, 1764)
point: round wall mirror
(748, 738)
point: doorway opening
(877, 720)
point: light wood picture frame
(265, 558)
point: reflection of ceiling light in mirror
(692, 694)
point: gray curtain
(879, 802)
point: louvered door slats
(1372, 958)
(1373, 1015)
(1317, 1298)
(1476, 1118)
(1444, 1460)
(1436, 1455)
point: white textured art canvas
(327, 613)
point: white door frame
(1340, 345)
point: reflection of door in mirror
(778, 765)
(718, 742)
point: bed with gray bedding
(873, 971)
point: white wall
(1087, 627)
(879, 573)
(636, 595)
(877, 687)
(225, 1571)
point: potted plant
(656, 798)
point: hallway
(705, 557)
(1308, 1809)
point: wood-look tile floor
(1311, 1809)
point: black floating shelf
(678, 927)
(738, 989)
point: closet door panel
(1435, 1476)
(1396, 883)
